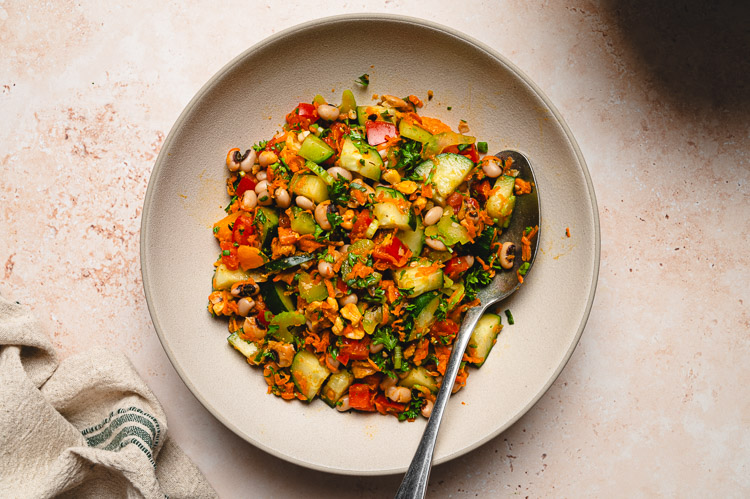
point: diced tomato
(360, 397)
(341, 286)
(302, 116)
(307, 111)
(360, 226)
(456, 266)
(455, 200)
(246, 184)
(385, 406)
(380, 131)
(243, 229)
(261, 316)
(471, 153)
(343, 358)
(355, 349)
(229, 255)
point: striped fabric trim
(124, 427)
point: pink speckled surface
(653, 402)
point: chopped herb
(510, 317)
(442, 309)
(339, 191)
(412, 410)
(260, 145)
(231, 202)
(449, 108)
(226, 253)
(327, 257)
(279, 146)
(334, 219)
(216, 229)
(476, 279)
(236, 245)
(263, 355)
(463, 147)
(524, 268)
(364, 80)
(482, 147)
(527, 231)
(410, 156)
(384, 335)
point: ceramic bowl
(246, 102)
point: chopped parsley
(363, 80)
(339, 191)
(510, 317)
(482, 147)
(260, 145)
(413, 409)
(410, 156)
(476, 279)
(384, 335)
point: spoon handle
(414, 484)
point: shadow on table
(698, 52)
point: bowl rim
(209, 85)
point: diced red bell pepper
(243, 229)
(456, 266)
(380, 131)
(385, 406)
(445, 327)
(355, 349)
(481, 190)
(360, 397)
(246, 184)
(395, 249)
(341, 286)
(229, 255)
(306, 110)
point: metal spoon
(505, 283)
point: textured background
(655, 398)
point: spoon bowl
(527, 213)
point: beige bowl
(245, 102)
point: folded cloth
(84, 427)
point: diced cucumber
(276, 300)
(320, 172)
(458, 291)
(311, 291)
(372, 229)
(310, 186)
(502, 201)
(285, 321)
(449, 171)
(450, 231)
(483, 337)
(338, 384)
(424, 168)
(413, 132)
(315, 149)
(225, 278)
(245, 347)
(373, 316)
(308, 373)
(348, 102)
(419, 281)
(392, 210)
(373, 113)
(413, 239)
(287, 262)
(367, 161)
(425, 307)
(302, 221)
(267, 223)
(419, 376)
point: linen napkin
(84, 427)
